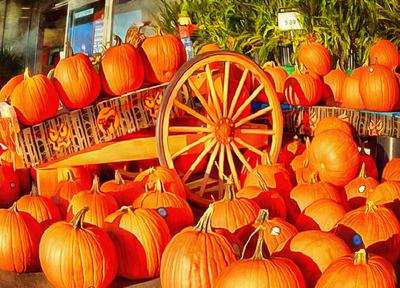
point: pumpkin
(350, 93)
(322, 214)
(299, 161)
(175, 210)
(35, 99)
(63, 241)
(140, 237)
(290, 150)
(81, 174)
(384, 53)
(358, 189)
(233, 213)
(12, 159)
(333, 123)
(168, 177)
(123, 191)
(391, 172)
(314, 250)
(9, 186)
(369, 161)
(315, 57)
(334, 154)
(208, 48)
(359, 270)
(258, 271)
(121, 69)
(19, 241)
(333, 83)
(196, 256)
(162, 56)
(304, 173)
(276, 231)
(379, 89)
(277, 75)
(387, 194)
(100, 204)
(7, 89)
(39, 207)
(374, 228)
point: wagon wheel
(218, 122)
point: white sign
(84, 13)
(288, 20)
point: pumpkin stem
(34, 190)
(360, 257)
(265, 159)
(338, 65)
(27, 73)
(370, 207)
(118, 178)
(263, 216)
(307, 160)
(50, 75)
(77, 221)
(261, 180)
(269, 64)
(363, 173)
(127, 209)
(258, 253)
(117, 40)
(96, 184)
(159, 31)
(159, 186)
(70, 176)
(204, 224)
(314, 178)
(229, 191)
(13, 207)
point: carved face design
(108, 121)
(60, 138)
(152, 103)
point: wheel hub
(224, 130)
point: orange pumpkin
(302, 88)
(350, 93)
(391, 172)
(300, 161)
(121, 69)
(10, 188)
(357, 73)
(100, 204)
(81, 174)
(315, 57)
(208, 48)
(97, 263)
(314, 250)
(384, 53)
(387, 194)
(333, 83)
(334, 154)
(40, 208)
(140, 237)
(379, 89)
(196, 255)
(374, 228)
(304, 173)
(277, 75)
(35, 99)
(359, 270)
(7, 89)
(358, 189)
(333, 123)
(76, 81)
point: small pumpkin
(387, 194)
(97, 263)
(277, 75)
(9, 87)
(81, 174)
(333, 123)
(391, 172)
(333, 83)
(140, 237)
(385, 53)
(350, 93)
(10, 188)
(315, 57)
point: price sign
(288, 20)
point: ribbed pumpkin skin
(277, 75)
(35, 100)
(76, 81)
(19, 241)
(313, 251)
(75, 257)
(9, 186)
(315, 57)
(140, 237)
(384, 53)
(162, 56)
(376, 273)
(121, 70)
(302, 89)
(388, 194)
(378, 228)
(7, 89)
(124, 193)
(66, 189)
(379, 89)
(391, 172)
(350, 93)
(334, 80)
(333, 123)
(80, 173)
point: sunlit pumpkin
(333, 123)
(315, 57)
(350, 93)
(391, 172)
(333, 83)
(385, 53)
(8, 88)
(387, 194)
(277, 75)
(290, 150)
(371, 169)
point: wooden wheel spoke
(213, 92)
(253, 116)
(232, 166)
(190, 111)
(192, 145)
(241, 157)
(190, 129)
(256, 131)
(203, 101)
(221, 166)
(226, 89)
(237, 93)
(248, 146)
(207, 149)
(247, 102)
(209, 168)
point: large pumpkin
(63, 241)
(333, 123)
(76, 81)
(19, 241)
(140, 237)
(315, 57)
(391, 172)
(359, 270)
(7, 89)
(333, 83)
(162, 56)
(379, 89)
(334, 154)
(302, 88)
(100, 204)
(272, 272)
(374, 228)
(121, 69)
(387, 194)
(277, 75)
(384, 53)
(39, 207)
(9, 186)
(314, 251)
(35, 99)
(196, 256)
(350, 93)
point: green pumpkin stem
(370, 207)
(258, 253)
(77, 221)
(363, 172)
(204, 224)
(27, 73)
(118, 178)
(360, 257)
(263, 216)
(261, 180)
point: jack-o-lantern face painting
(60, 138)
(108, 121)
(152, 103)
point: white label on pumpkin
(362, 188)
(275, 230)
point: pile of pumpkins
(317, 218)
(76, 82)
